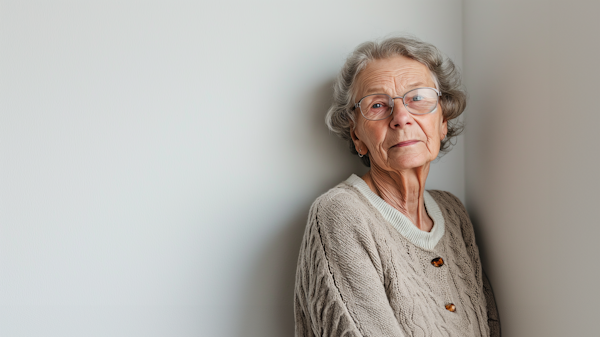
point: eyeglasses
(419, 101)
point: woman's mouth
(406, 143)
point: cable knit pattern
(358, 275)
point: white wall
(533, 159)
(159, 159)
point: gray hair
(453, 101)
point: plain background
(158, 159)
(533, 160)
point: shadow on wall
(267, 309)
(484, 154)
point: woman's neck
(403, 190)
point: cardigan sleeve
(469, 238)
(339, 280)
(492, 309)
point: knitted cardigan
(365, 270)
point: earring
(359, 153)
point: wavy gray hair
(453, 101)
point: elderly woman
(381, 256)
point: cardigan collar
(425, 240)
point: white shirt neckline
(425, 240)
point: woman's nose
(400, 116)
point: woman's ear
(358, 144)
(444, 129)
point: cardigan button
(450, 307)
(437, 262)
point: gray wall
(159, 159)
(533, 161)
(146, 189)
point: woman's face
(403, 140)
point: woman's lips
(406, 143)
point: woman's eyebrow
(382, 90)
(376, 90)
(416, 84)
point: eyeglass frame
(357, 105)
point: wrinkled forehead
(393, 76)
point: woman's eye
(417, 98)
(377, 106)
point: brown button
(437, 262)
(450, 307)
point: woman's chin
(407, 162)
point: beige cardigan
(365, 270)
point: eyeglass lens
(418, 101)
